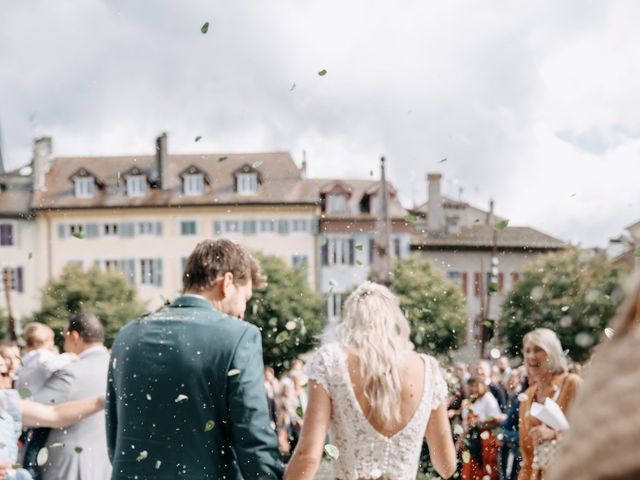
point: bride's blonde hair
(374, 327)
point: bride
(375, 396)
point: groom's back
(169, 407)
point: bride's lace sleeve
(318, 368)
(440, 391)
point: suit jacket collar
(191, 301)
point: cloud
(503, 90)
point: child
(40, 360)
(479, 418)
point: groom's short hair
(211, 259)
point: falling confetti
(466, 456)
(79, 235)
(282, 337)
(443, 160)
(78, 449)
(359, 246)
(501, 225)
(371, 173)
(359, 263)
(233, 372)
(322, 72)
(148, 397)
(457, 429)
(43, 456)
(209, 425)
(158, 463)
(198, 138)
(181, 398)
(609, 332)
(222, 159)
(30, 255)
(331, 451)
(291, 325)
(410, 218)
(205, 27)
(484, 435)
(293, 87)
(142, 456)
(257, 163)
(24, 392)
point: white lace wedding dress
(363, 451)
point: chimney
(435, 211)
(490, 216)
(162, 160)
(303, 168)
(42, 161)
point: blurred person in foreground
(510, 452)
(377, 396)
(16, 413)
(547, 369)
(602, 443)
(10, 351)
(186, 396)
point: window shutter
(465, 280)
(127, 229)
(217, 227)
(352, 251)
(372, 247)
(477, 284)
(500, 282)
(396, 247)
(283, 227)
(314, 226)
(62, 230)
(515, 279)
(19, 286)
(157, 272)
(249, 227)
(158, 228)
(130, 270)
(324, 253)
(92, 230)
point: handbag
(543, 454)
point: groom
(185, 397)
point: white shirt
(38, 365)
(486, 407)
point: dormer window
(193, 184)
(136, 185)
(85, 187)
(247, 183)
(337, 203)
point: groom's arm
(254, 441)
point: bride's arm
(308, 453)
(59, 416)
(440, 442)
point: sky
(533, 104)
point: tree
(434, 306)
(107, 295)
(287, 312)
(574, 293)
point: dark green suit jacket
(186, 399)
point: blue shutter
(217, 227)
(313, 226)
(283, 227)
(127, 229)
(158, 228)
(92, 230)
(249, 227)
(157, 271)
(62, 230)
(19, 286)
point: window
(110, 229)
(231, 226)
(193, 184)
(334, 306)
(112, 266)
(12, 277)
(247, 183)
(136, 185)
(188, 227)
(300, 262)
(454, 276)
(299, 226)
(396, 247)
(338, 251)
(267, 226)
(453, 225)
(6, 234)
(151, 271)
(76, 229)
(85, 187)
(337, 204)
(145, 228)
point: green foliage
(107, 295)
(287, 312)
(434, 306)
(574, 293)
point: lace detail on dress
(364, 452)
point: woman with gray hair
(547, 371)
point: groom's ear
(225, 284)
